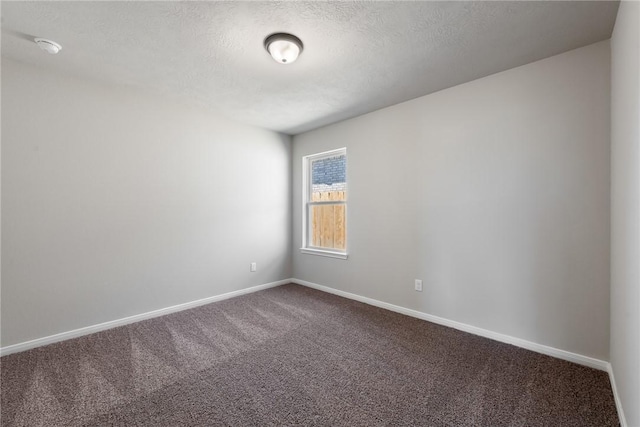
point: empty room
(320, 213)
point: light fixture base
(284, 48)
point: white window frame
(306, 203)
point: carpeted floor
(295, 356)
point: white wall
(625, 208)
(495, 193)
(115, 203)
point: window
(325, 204)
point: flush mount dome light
(283, 48)
(48, 45)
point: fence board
(339, 239)
(326, 231)
(316, 221)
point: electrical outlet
(418, 285)
(254, 266)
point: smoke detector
(48, 46)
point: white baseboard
(550, 351)
(616, 397)
(539, 348)
(27, 345)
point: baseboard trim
(518, 342)
(539, 348)
(616, 397)
(38, 342)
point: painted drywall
(625, 208)
(115, 203)
(495, 193)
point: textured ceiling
(358, 56)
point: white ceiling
(358, 56)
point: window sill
(321, 252)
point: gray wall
(625, 208)
(494, 192)
(115, 203)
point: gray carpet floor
(295, 356)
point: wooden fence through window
(328, 221)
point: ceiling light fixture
(48, 45)
(284, 48)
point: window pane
(327, 226)
(328, 179)
(326, 195)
